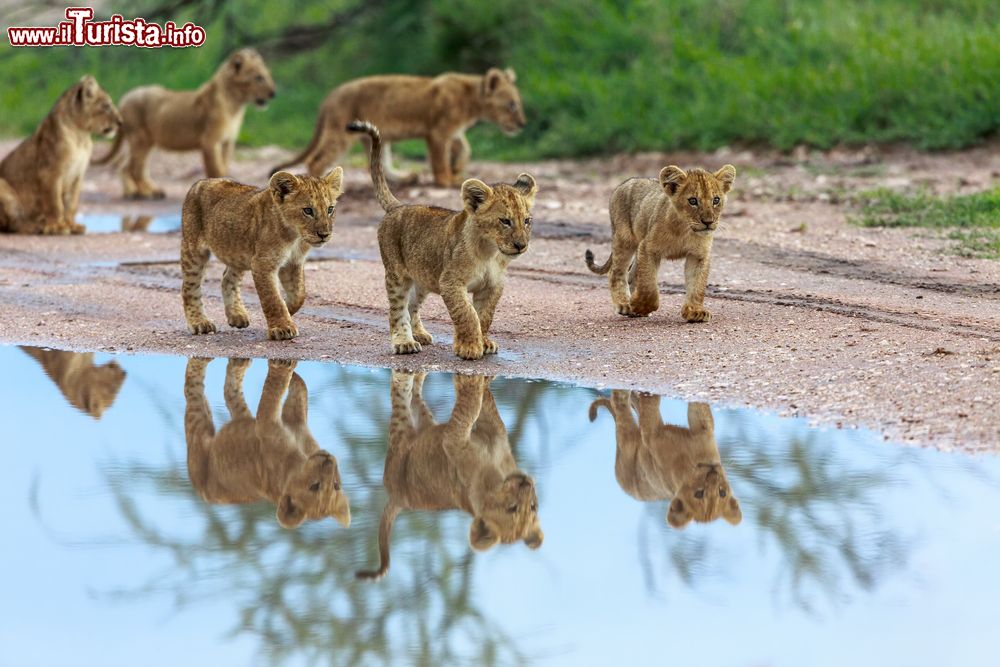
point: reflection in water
(657, 461)
(465, 463)
(272, 456)
(136, 223)
(85, 385)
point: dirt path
(811, 316)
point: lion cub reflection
(272, 456)
(85, 385)
(657, 460)
(465, 463)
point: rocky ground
(879, 328)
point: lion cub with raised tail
(427, 249)
(657, 461)
(267, 232)
(672, 217)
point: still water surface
(156, 224)
(827, 547)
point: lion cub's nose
(519, 246)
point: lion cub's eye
(506, 222)
(693, 201)
(527, 222)
(534, 507)
(260, 78)
(336, 486)
(512, 106)
(308, 211)
(314, 487)
(700, 493)
(512, 509)
(716, 200)
(722, 493)
(329, 210)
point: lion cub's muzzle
(264, 99)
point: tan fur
(438, 109)
(266, 231)
(207, 119)
(653, 220)
(465, 463)
(40, 179)
(86, 386)
(272, 456)
(426, 249)
(656, 461)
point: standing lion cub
(668, 218)
(427, 249)
(207, 119)
(267, 232)
(40, 179)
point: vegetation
(597, 77)
(972, 220)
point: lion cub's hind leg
(236, 312)
(398, 288)
(622, 276)
(420, 334)
(193, 263)
(137, 169)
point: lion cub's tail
(599, 270)
(115, 149)
(382, 192)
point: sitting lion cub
(272, 456)
(40, 179)
(666, 219)
(657, 460)
(265, 231)
(207, 119)
(438, 109)
(464, 464)
(427, 249)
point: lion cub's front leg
(485, 302)
(279, 323)
(646, 298)
(695, 280)
(468, 331)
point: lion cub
(271, 456)
(426, 249)
(652, 220)
(87, 386)
(40, 179)
(207, 119)
(266, 231)
(465, 463)
(656, 460)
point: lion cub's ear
(671, 178)
(482, 534)
(525, 184)
(335, 179)
(726, 176)
(87, 88)
(678, 514)
(731, 511)
(475, 193)
(492, 80)
(511, 74)
(290, 515)
(283, 184)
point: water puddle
(154, 224)
(235, 511)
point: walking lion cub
(465, 463)
(427, 249)
(266, 231)
(656, 461)
(668, 218)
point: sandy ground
(812, 316)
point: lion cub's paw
(423, 337)
(406, 347)
(285, 331)
(54, 229)
(281, 363)
(490, 346)
(201, 327)
(76, 228)
(695, 313)
(627, 310)
(238, 320)
(469, 349)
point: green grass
(598, 77)
(972, 220)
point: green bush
(600, 76)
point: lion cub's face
(308, 203)
(92, 107)
(705, 496)
(502, 213)
(697, 195)
(502, 100)
(508, 514)
(313, 491)
(248, 76)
